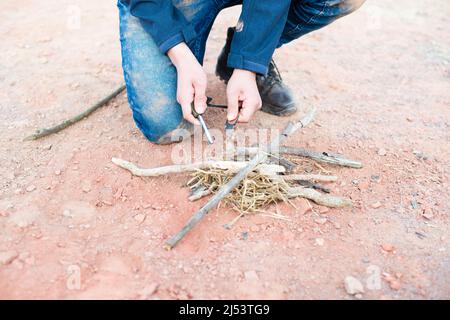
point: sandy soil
(75, 226)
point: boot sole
(286, 112)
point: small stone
(395, 285)
(428, 214)
(146, 205)
(319, 242)
(140, 217)
(376, 205)
(321, 220)
(353, 286)
(251, 275)
(86, 187)
(31, 188)
(67, 213)
(303, 206)
(387, 247)
(6, 257)
(375, 178)
(57, 172)
(47, 147)
(254, 229)
(382, 152)
(324, 210)
(149, 290)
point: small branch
(287, 164)
(315, 186)
(261, 156)
(233, 166)
(66, 123)
(320, 198)
(311, 177)
(199, 193)
(321, 157)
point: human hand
(191, 81)
(242, 88)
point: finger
(187, 113)
(200, 97)
(248, 110)
(233, 106)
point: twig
(319, 198)
(233, 166)
(320, 157)
(66, 123)
(261, 156)
(311, 177)
(230, 224)
(315, 186)
(199, 193)
(289, 165)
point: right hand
(191, 81)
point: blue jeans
(151, 78)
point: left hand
(242, 88)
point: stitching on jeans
(299, 26)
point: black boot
(276, 97)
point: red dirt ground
(380, 79)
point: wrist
(244, 73)
(180, 54)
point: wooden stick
(313, 185)
(198, 194)
(320, 157)
(261, 156)
(320, 198)
(233, 166)
(66, 123)
(311, 177)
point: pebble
(6, 257)
(387, 247)
(376, 178)
(31, 188)
(353, 286)
(67, 213)
(395, 285)
(254, 229)
(319, 242)
(140, 217)
(323, 210)
(376, 205)
(86, 188)
(428, 214)
(149, 290)
(57, 172)
(382, 152)
(251, 275)
(321, 220)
